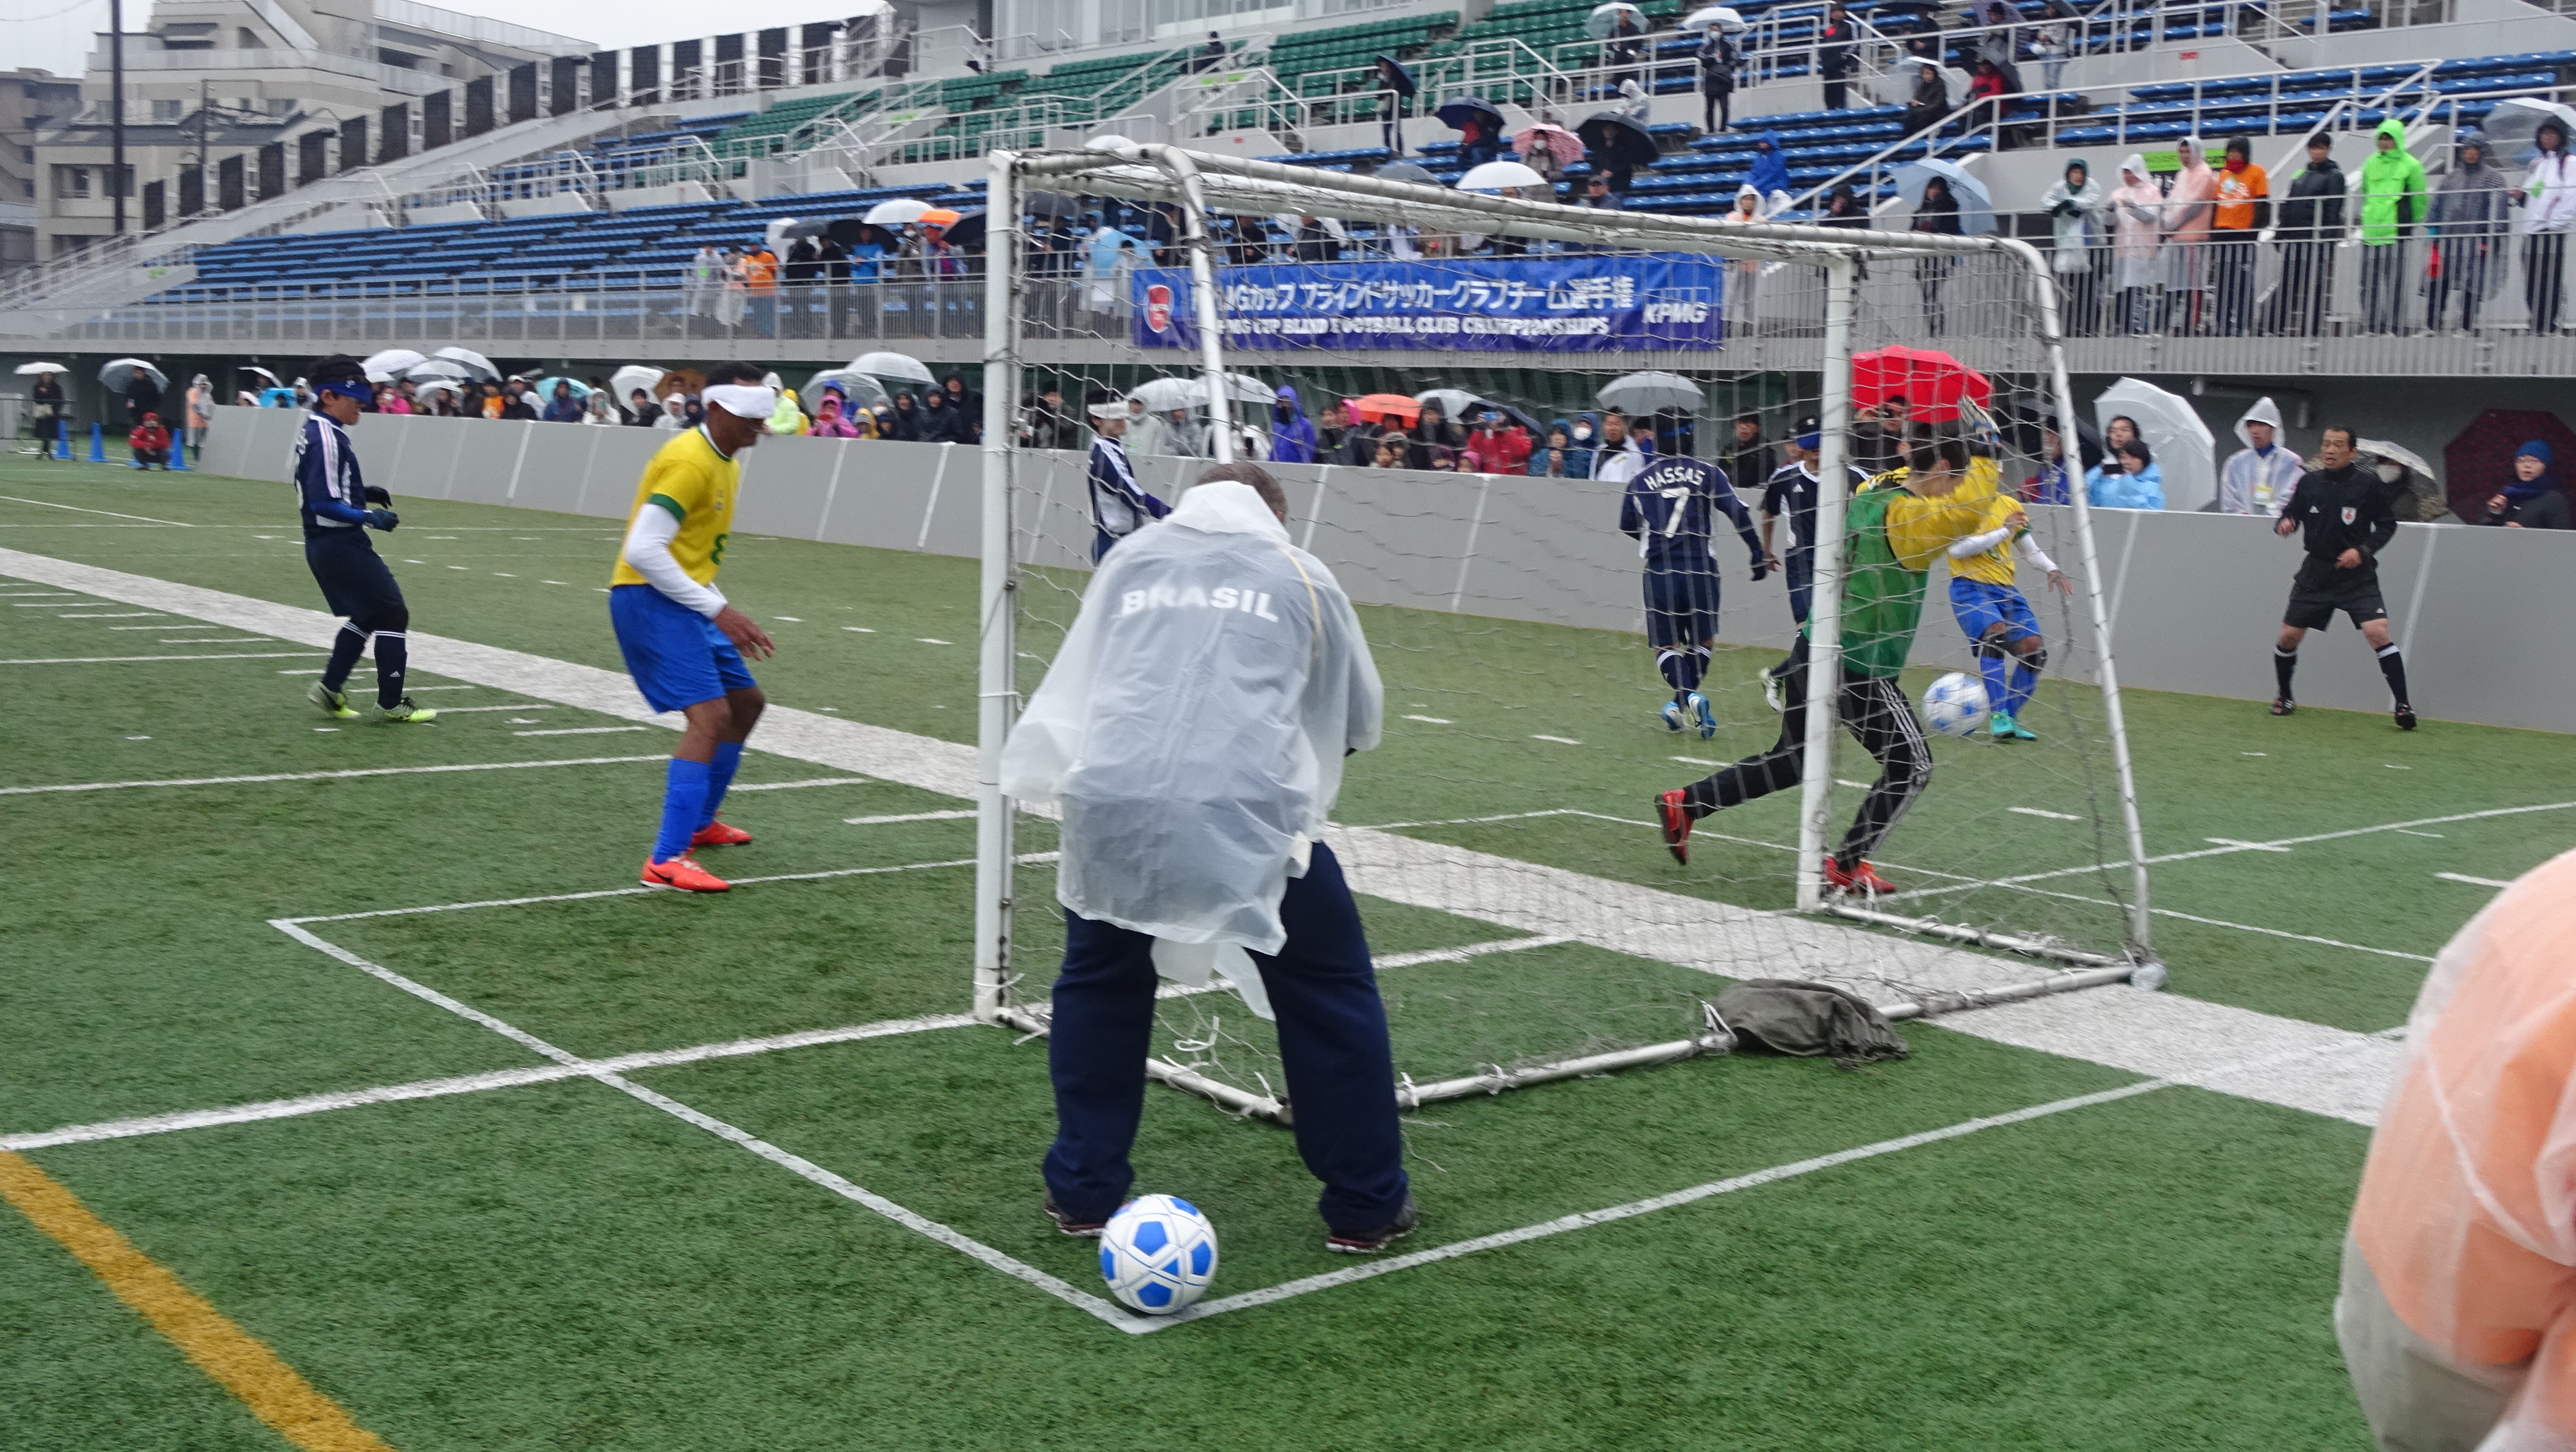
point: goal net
(1483, 410)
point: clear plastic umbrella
(1976, 208)
(902, 367)
(392, 363)
(24, 369)
(542, 392)
(1714, 17)
(623, 383)
(449, 384)
(118, 375)
(1496, 175)
(895, 211)
(1162, 395)
(476, 365)
(431, 369)
(2513, 124)
(1407, 171)
(861, 390)
(1604, 20)
(1651, 393)
(2184, 448)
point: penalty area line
(110, 513)
(197, 781)
(639, 890)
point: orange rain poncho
(2467, 1214)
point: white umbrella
(902, 367)
(623, 383)
(435, 385)
(1293, 220)
(1714, 17)
(2393, 453)
(26, 368)
(1162, 395)
(2184, 448)
(477, 366)
(861, 390)
(392, 363)
(1604, 20)
(2512, 125)
(1110, 142)
(895, 211)
(1976, 208)
(1651, 393)
(262, 372)
(1244, 388)
(118, 374)
(428, 369)
(1495, 175)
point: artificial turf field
(551, 1258)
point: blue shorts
(1681, 607)
(677, 656)
(1981, 607)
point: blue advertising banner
(1570, 303)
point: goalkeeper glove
(383, 519)
(377, 495)
(1761, 565)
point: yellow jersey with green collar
(694, 481)
(1983, 487)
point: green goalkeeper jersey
(1890, 538)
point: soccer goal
(1458, 428)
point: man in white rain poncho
(2259, 477)
(1191, 732)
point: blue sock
(719, 776)
(1998, 684)
(684, 801)
(2025, 683)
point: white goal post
(1206, 188)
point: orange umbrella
(1379, 407)
(1931, 382)
(939, 217)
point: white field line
(948, 816)
(2471, 881)
(789, 786)
(131, 615)
(639, 890)
(1587, 1219)
(198, 781)
(193, 640)
(513, 706)
(110, 513)
(1019, 1270)
(579, 731)
(129, 659)
(467, 1083)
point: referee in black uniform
(2346, 512)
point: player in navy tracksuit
(338, 509)
(1119, 505)
(1668, 509)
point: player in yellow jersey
(1997, 619)
(683, 644)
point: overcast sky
(57, 39)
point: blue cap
(356, 390)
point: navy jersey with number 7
(1669, 509)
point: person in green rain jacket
(2392, 206)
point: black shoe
(2283, 706)
(2405, 717)
(1084, 1229)
(1374, 1241)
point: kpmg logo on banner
(1568, 304)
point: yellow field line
(238, 1361)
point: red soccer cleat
(717, 834)
(1861, 878)
(685, 874)
(1677, 825)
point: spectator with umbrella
(1395, 88)
(2530, 499)
(563, 407)
(1479, 126)
(1717, 58)
(1623, 27)
(1618, 144)
(52, 413)
(1548, 149)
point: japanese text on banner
(1579, 304)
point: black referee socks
(2393, 666)
(2283, 663)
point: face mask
(1583, 433)
(2390, 473)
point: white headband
(1114, 408)
(743, 400)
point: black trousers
(2231, 256)
(2544, 272)
(1877, 714)
(2307, 284)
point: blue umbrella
(1394, 71)
(1976, 208)
(1457, 111)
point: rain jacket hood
(2070, 204)
(2392, 189)
(2263, 411)
(1770, 168)
(1192, 728)
(1292, 440)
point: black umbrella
(851, 232)
(814, 227)
(1457, 111)
(1616, 140)
(968, 229)
(1389, 68)
(1406, 171)
(1049, 204)
(2027, 421)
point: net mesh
(1518, 893)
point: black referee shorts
(2315, 599)
(354, 579)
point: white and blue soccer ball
(1956, 705)
(1158, 1254)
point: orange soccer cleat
(1859, 877)
(717, 834)
(685, 874)
(1676, 824)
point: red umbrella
(1930, 382)
(1382, 407)
(2477, 463)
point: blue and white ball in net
(1158, 1254)
(1956, 705)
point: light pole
(116, 106)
